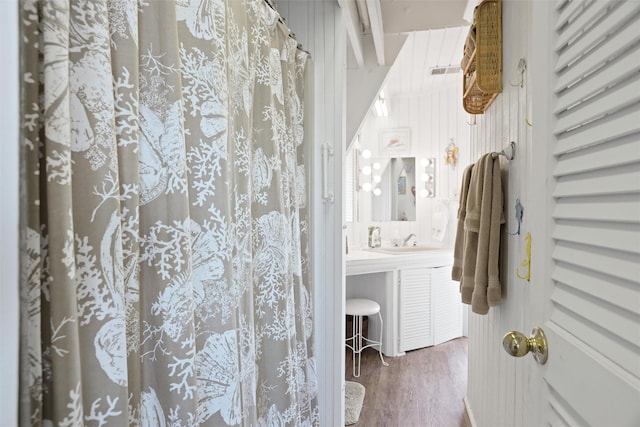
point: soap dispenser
(375, 240)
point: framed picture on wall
(402, 185)
(395, 142)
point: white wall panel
(496, 393)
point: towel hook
(519, 214)
(509, 152)
(522, 67)
(526, 262)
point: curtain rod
(272, 5)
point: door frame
(539, 308)
(9, 193)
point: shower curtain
(165, 263)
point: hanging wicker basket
(482, 68)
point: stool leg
(357, 345)
(354, 342)
(380, 347)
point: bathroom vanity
(419, 303)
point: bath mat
(353, 398)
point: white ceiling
(436, 31)
(411, 72)
(399, 16)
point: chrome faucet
(408, 238)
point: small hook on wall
(526, 262)
(519, 214)
(474, 121)
(522, 67)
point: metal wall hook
(519, 214)
(527, 261)
(522, 67)
(509, 152)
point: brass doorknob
(517, 345)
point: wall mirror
(387, 189)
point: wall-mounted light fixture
(368, 173)
(380, 107)
(428, 176)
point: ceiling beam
(353, 28)
(364, 15)
(375, 18)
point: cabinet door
(416, 316)
(447, 308)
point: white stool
(358, 308)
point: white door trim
(9, 194)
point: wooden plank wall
(497, 382)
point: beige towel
(458, 249)
(479, 280)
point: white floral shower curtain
(165, 269)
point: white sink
(404, 249)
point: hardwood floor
(425, 387)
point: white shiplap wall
(318, 26)
(433, 119)
(496, 393)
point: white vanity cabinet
(429, 310)
(420, 305)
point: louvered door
(446, 306)
(416, 316)
(590, 278)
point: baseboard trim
(468, 414)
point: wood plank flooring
(425, 387)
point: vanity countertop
(376, 261)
